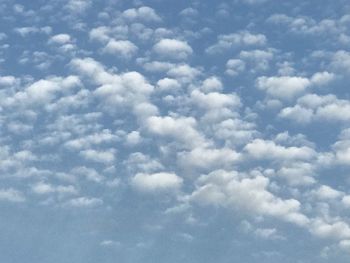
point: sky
(167, 131)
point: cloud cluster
(120, 108)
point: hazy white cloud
(11, 195)
(85, 202)
(234, 40)
(105, 157)
(143, 13)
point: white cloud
(6, 81)
(60, 39)
(235, 66)
(87, 202)
(325, 192)
(258, 60)
(143, 13)
(183, 73)
(157, 182)
(208, 159)
(313, 107)
(322, 78)
(106, 157)
(138, 161)
(335, 230)
(100, 34)
(298, 174)
(250, 195)
(133, 138)
(11, 195)
(234, 40)
(346, 201)
(169, 85)
(268, 233)
(42, 188)
(283, 87)
(110, 243)
(297, 113)
(89, 173)
(121, 48)
(78, 6)
(269, 150)
(212, 84)
(43, 91)
(182, 129)
(214, 100)
(172, 48)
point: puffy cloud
(235, 67)
(128, 88)
(297, 113)
(298, 174)
(43, 91)
(235, 131)
(6, 81)
(85, 202)
(143, 13)
(11, 195)
(322, 78)
(157, 182)
(308, 26)
(42, 188)
(115, 91)
(182, 129)
(212, 84)
(288, 87)
(234, 40)
(345, 245)
(183, 73)
(172, 48)
(335, 230)
(206, 159)
(250, 195)
(214, 100)
(89, 173)
(165, 119)
(121, 48)
(268, 233)
(139, 162)
(283, 87)
(93, 139)
(342, 151)
(133, 138)
(325, 192)
(105, 157)
(346, 201)
(25, 31)
(167, 84)
(78, 6)
(100, 34)
(258, 59)
(314, 107)
(269, 150)
(60, 39)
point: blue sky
(174, 131)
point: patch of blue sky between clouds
(167, 131)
